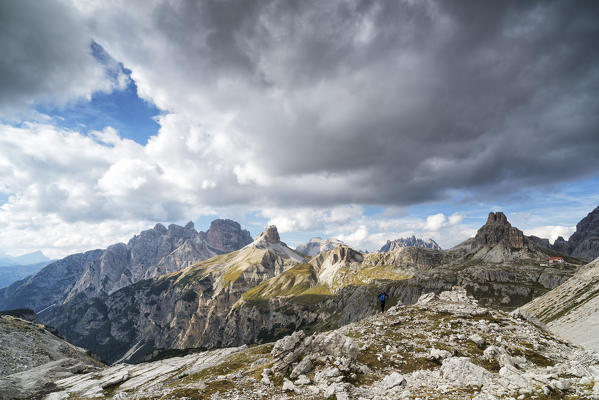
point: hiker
(382, 298)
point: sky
(360, 120)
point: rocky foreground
(444, 347)
(32, 357)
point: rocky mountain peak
(585, 241)
(271, 234)
(159, 228)
(226, 235)
(498, 230)
(412, 241)
(498, 218)
(345, 254)
(189, 225)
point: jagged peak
(498, 230)
(189, 225)
(159, 228)
(411, 241)
(270, 235)
(497, 218)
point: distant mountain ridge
(149, 254)
(13, 273)
(186, 308)
(36, 257)
(317, 245)
(266, 289)
(409, 242)
(584, 243)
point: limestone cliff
(409, 242)
(183, 309)
(585, 241)
(572, 309)
(147, 255)
(444, 346)
(32, 352)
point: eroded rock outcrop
(497, 230)
(31, 352)
(446, 346)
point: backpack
(382, 297)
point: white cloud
(434, 222)
(356, 238)
(311, 219)
(275, 109)
(551, 232)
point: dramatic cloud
(295, 110)
(47, 57)
(370, 102)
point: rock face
(497, 230)
(226, 236)
(445, 346)
(30, 351)
(572, 309)
(271, 234)
(150, 254)
(267, 290)
(585, 241)
(316, 246)
(184, 309)
(392, 245)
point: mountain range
(409, 242)
(176, 292)
(37, 257)
(147, 255)
(176, 288)
(266, 290)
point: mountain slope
(31, 352)
(443, 347)
(266, 290)
(99, 272)
(13, 273)
(37, 257)
(183, 309)
(572, 309)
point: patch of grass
(240, 361)
(292, 282)
(232, 275)
(364, 276)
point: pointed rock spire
(498, 230)
(271, 234)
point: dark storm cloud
(367, 102)
(45, 56)
(454, 95)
